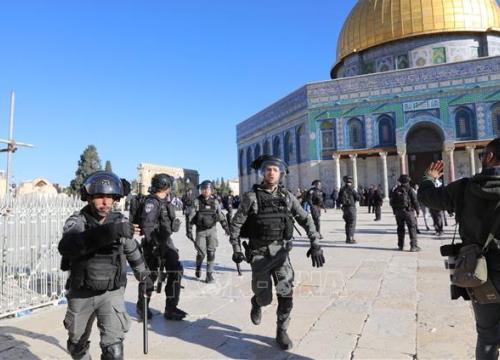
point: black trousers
(488, 325)
(166, 256)
(406, 218)
(378, 212)
(350, 215)
(437, 218)
(316, 215)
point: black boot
(174, 313)
(415, 248)
(197, 272)
(256, 312)
(210, 279)
(283, 339)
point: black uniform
(474, 201)
(95, 255)
(347, 200)
(229, 205)
(315, 199)
(437, 219)
(187, 207)
(377, 202)
(404, 204)
(158, 222)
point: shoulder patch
(149, 206)
(72, 223)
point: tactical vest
(272, 221)
(103, 270)
(317, 197)
(206, 217)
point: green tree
(89, 162)
(108, 166)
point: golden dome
(374, 22)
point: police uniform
(347, 199)
(187, 207)
(205, 215)
(404, 211)
(315, 199)
(377, 202)
(265, 218)
(229, 203)
(158, 222)
(96, 284)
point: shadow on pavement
(14, 348)
(228, 340)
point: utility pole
(12, 145)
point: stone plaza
(369, 301)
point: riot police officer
(187, 205)
(207, 212)
(95, 243)
(476, 202)
(158, 222)
(265, 216)
(229, 205)
(315, 199)
(404, 204)
(348, 196)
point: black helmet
(404, 179)
(160, 182)
(264, 160)
(101, 182)
(347, 179)
(206, 184)
(317, 181)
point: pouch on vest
(102, 271)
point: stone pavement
(370, 301)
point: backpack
(400, 198)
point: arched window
(249, 160)
(240, 162)
(276, 147)
(385, 130)
(267, 150)
(288, 148)
(256, 151)
(301, 141)
(356, 136)
(327, 137)
(495, 119)
(463, 123)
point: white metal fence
(30, 230)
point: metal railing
(30, 230)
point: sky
(162, 82)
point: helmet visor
(268, 163)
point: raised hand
(435, 170)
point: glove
(316, 254)
(238, 257)
(146, 281)
(122, 229)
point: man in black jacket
(404, 205)
(474, 201)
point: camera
(451, 252)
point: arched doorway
(424, 144)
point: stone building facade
(147, 171)
(376, 119)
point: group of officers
(97, 242)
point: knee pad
(210, 255)
(77, 351)
(112, 352)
